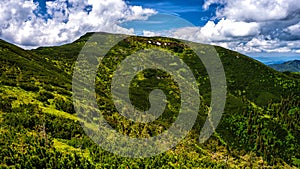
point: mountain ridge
(259, 126)
(291, 66)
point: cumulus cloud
(294, 29)
(244, 25)
(250, 26)
(150, 33)
(264, 44)
(65, 21)
(244, 44)
(224, 30)
(256, 10)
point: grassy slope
(248, 117)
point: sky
(268, 30)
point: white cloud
(251, 26)
(224, 30)
(231, 28)
(20, 25)
(255, 10)
(138, 13)
(208, 3)
(216, 35)
(150, 33)
(266, 44)
(294, 29)
(245, 25)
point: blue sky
(268, 30)
(190, 10)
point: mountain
(39, 127)
(291, 66)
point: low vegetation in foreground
(260, 127)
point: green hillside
(39, 128)
(290, 66)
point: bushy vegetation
(39, 128)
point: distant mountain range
(291, 66)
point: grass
(260, 108)
(60, 145)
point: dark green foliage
(271, 133)
(22, 149)
(28, 116)
(261, 117)
(65, 105)
(61, 127)
(6, 104)
(25, 143)
(29, 87)
(44, 96)
(26, 68)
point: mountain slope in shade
(291, 66)
(259, 128)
